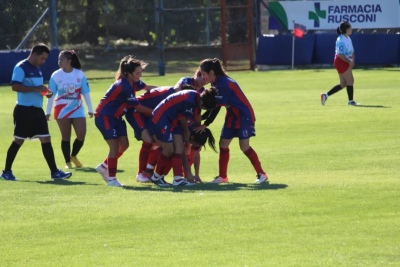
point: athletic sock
(223, 162)
(11, 154)
(335, 89)
(112, 167)
(105, 162)
(48, 154)
(66, 150)
(176, 162)
(153, 156)
(162, 164)
(76, 147)
(350, 92)
(253, 157)
(144, 155)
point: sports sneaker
(261, 178)
(148, 173)
(159, 181)
(182, 182)
(142, 178)
(103, 172)
(219, 180)
(353, 103)
(76, 162)
(60, 175)
(68, 165)
(114, 182)
(324, 97)
(8, 175)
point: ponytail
(212, 64)
(128, 65)
(71, 55)
(342, 29)
(338, 30)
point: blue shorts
(163, 131)
(244, 132)
(137, 121)
(110, 127)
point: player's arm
(196, 163)
(17, 86)
(149, 87)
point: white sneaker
(219, 180)
(353, 103)
(114, 182)
(103, 172)
(261, 178)
(141, 178)
(182, 182)
(324, 97)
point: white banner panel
(326, 15)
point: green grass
(333, 199)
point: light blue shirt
(344, 46)
(26, 74)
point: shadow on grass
(60, 182)
(208, 187)
(90, 169)
(371, 106)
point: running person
(239, 119)
(29, 118)
(344, 64)
(68, 85)
(109, 112)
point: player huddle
(171, 122)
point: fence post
(207, 23)
(158, 7)
(53, 24)
(223, 33)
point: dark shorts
(110, 127)
(163, 131)
(30, 122)
(137, 121)
(244, 132)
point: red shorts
(340, 65)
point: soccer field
(333, 197)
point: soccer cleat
(182, 182)
(159, 181)
(76, 162)
(324, 97)
(219, 180)
(261, 178)
(60, 175)
(103, 172)
(142, 178)
(148, 173)
(68, 165)
(114, 182)
(353, 103)
(8, 175)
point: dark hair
(208, 98)
(212, 64)
(71, 55)
(343, 27)
(187, 87)
(202, 137)
(40, 49)
(128, 65)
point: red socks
(143, 156)
(112, 167)
(223, 162)
(252, 155)
(176, 162)
(162, 164)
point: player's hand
(49, 94)
(352, 64)
(197, 179)
(191, 178)
(200, 128)
(48, 117)
(90, 114)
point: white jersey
(344, 46)
(68, 89)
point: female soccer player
(196, 81)
(108, 115)
(68, 85)
(344, 64)
(239, 119)
(170, 127)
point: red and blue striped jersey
(232, 97)
(139, 85)
(117, 99)
(153, 97)
(171, 109)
